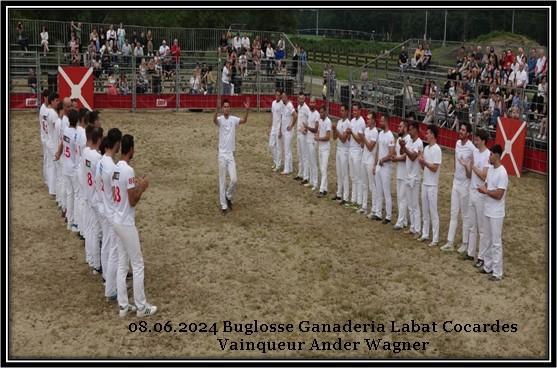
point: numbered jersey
(43, 124)
(69, 159)
(103, 177)
(89, 163)
(123, 178)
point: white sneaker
(432, 244)
(148, 310)
(370, 215)
(422, 239)
(463, 248)
(124, 311)
(447, 247)
(362, 211)
(313, 189)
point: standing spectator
(403, 59)
(245, 42)
(521, 56)
(74, 50)
(121, 34)
(111, 34)
(126, 52)
(77, 29)
(94, 37)
(508, 61)
(32, 80)
(237, 43)
(149, 43)
(44, 40)
(223, 44)
(270, 56)
(142, 39)
(532, 61)
(22, 38)
(138, 53)
(91, 52)
(134, 38)
(243, 63)
(175, 52)
(460, 58)
(539, 100)
(541, 65)
(304, 61)
(211, 80)
(102, 37)
(226, 78)
(256, 58)
(163, 50)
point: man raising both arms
(227, 145)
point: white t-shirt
(163, 50)
(401, 172)
(413, 167)
(371, 134)
(357, 126)
(69, 159)
(123, 178)
(105, 169)
(286, 115)
(497, 178)
(53, 138)
(81, 141)
(276, 110)
(385, 141)
(481, 161)
(225, 73)
(237, 42)
(521, 78)
(303, 115)
(312, 123)
(227, 133)
(43, 125)
(324, 127)
(245, 42)
(90, 160)
(432, 155)
(341, 128)
(44, 36)
(463, 152)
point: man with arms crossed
(430, 161)
(413, 149)
(342, 156)
(495, 190)
(356, 132)
(287, 121)
(275, 136)
(311, 128)
(460, 195)
(385, 153)
(227, 145)
(368, 162)
(126, 192)
(401, 176)
(303, 115)
(323, 138)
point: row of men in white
(98, 197)
(364, 157)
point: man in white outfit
(383, 170)
(126, 192)
(303, 115)
(401, 176)
(52, 143)
(342, 156)
(81, 142)
(311, 129)
(430, 161)
(477, 169)
(460, 195)
(287, 121)
(371, 136)
(356, 131)
(495, 190)
(323, 138)
(275, 135)
(43, 130)
(413, 149)
(227, 146)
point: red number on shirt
(116, 195)
(89, 179)
(67, 153)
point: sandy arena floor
(282, 255)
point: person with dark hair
(460, 195)
(311, 130)
(81, 142)
(43, 130)
(287, 121)
(401, 175)
(303, 115)
(323, 138)
(60, 126)
(495, 189)
(369, 156)
(430, 161)
(89, 161)
(227, 146)
(356, 131)
(94, 118)
(105, 213)
(126, 192)
(69, 167)
(342, 155)
(413, 149)
(383, 170)
(275, 135)
(477, 170)
(52, 142)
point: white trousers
(402, 202)
(70, 187)
(60, 183)
(287, 140)
(368, 185)
(226, 165)
(129, 251)
(111, 259)
(275, 146)
(301, 147)
(413, 195)
(460, 203)
(51, 172)
(383, 189)
(354, 166)
(493, 255)
(323, 165)
(312, 163)
(45, 159)
(476, 224)
(429, 212)
(343, 179)
(93, 236)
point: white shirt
(276, 111)
(286, 115)
(105, 168)
(163, 50)
(385, 141)
(371, 134)
(227, 133)
(43, 125)
(357, 126)
(463, 152)
(110, 34)
(521, 78)
(245, 42)
(303, 115)
(324, 127)
(90, 160)
(51, 120)
(225, 73)
(341, 128)
(540, 64)
(123, 178)
(44, 36)
(497, 178)
(401, 172)
(413, 167)
(69, 159)
(237, 42)
(312, 123)
(81, 141)
(481, 161)
(432, 155)
(270, 53)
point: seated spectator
(237, 42)
(508, 61)
(478, 55)
(175, 52)
(519, 78)
(32, 80)
(418, 56)
(22, 37)
(426, 59)
(149, 38)
(97, 67)
(94, 37)
(138, 53)
(539, 100)
(211, 80)
(542, 135)
(151, 66)
(195, 81)
(126, 52)
(403, 59)
(164, 50)
(245, 42)
(541, 65)
(256, 58)
(44, 40)
(532, 61)
(121, 35)
(74, 50)
(223, 44)
(270, 56)
(460, 58)
(123, 85)
(408, 94)
(243, 64)
(521, 56)
(111, 86)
